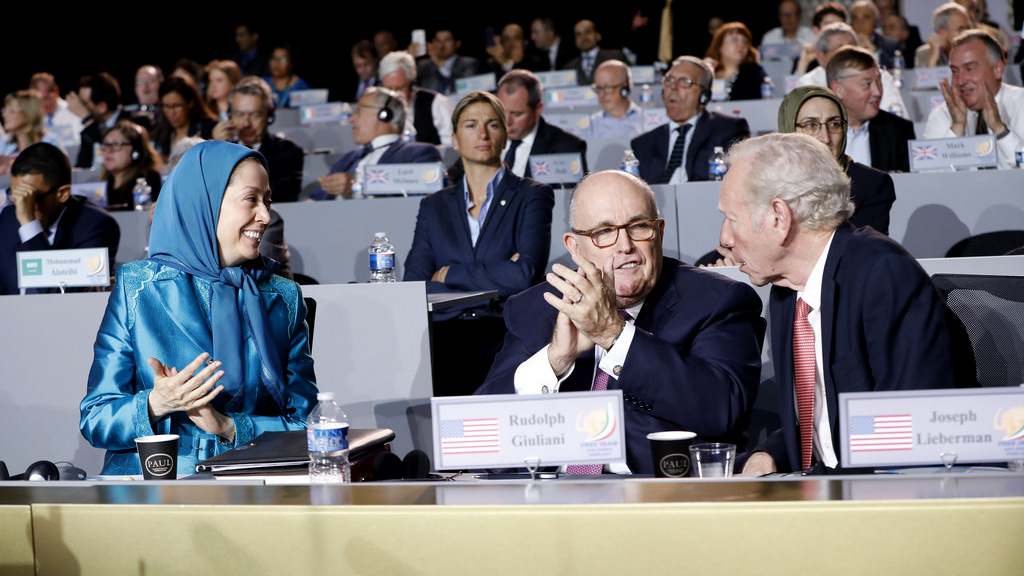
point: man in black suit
(443, 65)
(522, 94)
(252, 111)
(875, 137)
(100, 95)
(686, 88)
(42, 214)
(548, 43)
(588, 41)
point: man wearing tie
(591, 54)
(691, 133)
(851, 310)
(682, 343)
(377, 123)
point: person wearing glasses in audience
(183, 113)
(252, 113)
(146, 109)
(127, 156)
(679, 150)
(42, 214)
(282, 79)
(489, 230)
(23, 124)
(683, 344)
(619, 116)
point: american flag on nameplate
(882, 432)
(469, 436)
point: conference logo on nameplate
(781, 51)
(654, 117)
(928, 78)
(484, 82)
(403, 179)
(556, 168)
(926, 427)
(509, 430)
(571, 96)
(642, 75)
(95, 191)
(557, 78)
(63, 268)
(322, 113)
(310, 97)
(952, 153)
(576, 122)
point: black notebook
(280, 452)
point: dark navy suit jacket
(518, 221)
(398, 152)
(83, 225)
(712, 129)
(888, 135)
(873, 193)
(884, 327)
(694, 363)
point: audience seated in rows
(428, 116)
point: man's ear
(63, 193)
(780, 219)
(571, 243)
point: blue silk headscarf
(184, 236)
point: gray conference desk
(938, 523)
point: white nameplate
(64, 133)
(95, 191)
(310, 97)
(485, 82)
(571, 96)
(915, 427)
(791, 81)
(952, 153)
(557, 78)
(781, 51)
(56, 268)
(403, 179)
(509, 430)
(576, 122)
(654, 117)
(928, 78)
(556, 168)
(322, 113)
(642, 75)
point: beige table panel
(16, 553)
(954, 536)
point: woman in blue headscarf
(202, 339)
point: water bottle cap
(325, 395)
(379, 234)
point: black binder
(286, 452)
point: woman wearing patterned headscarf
(202, 339)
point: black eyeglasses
(116, 146)
(812, 127)
(640, 230)
(673, 83)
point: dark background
(76, 41)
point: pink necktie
(600, 383)
(803, 369)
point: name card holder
(337, 112)
(781, 51)
(557, 78)
(928, 78)
(485, 82)
(557, 168)
(643, 75)
(95, 191)
(513, 431)
(412, 179)
(310, 97)
(63, 268)
(571, 96)
(576, 122)
(931, 427)
(950, 154)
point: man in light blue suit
(377, 124)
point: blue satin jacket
(160, 312)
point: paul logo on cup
(158, 456)
(670, 453)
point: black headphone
(624, 91)
(44, 470)
(385, 114)
(705, 96)
(137, 145)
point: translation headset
(624, 91)
(44, 470)
(385, 114)
(137, 145)
(705, 95)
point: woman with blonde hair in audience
(738, 73)
(221, 77)
(23, 124)
(127, 156)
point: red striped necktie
(600, 383)
(803, 369)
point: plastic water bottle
(716, 164)
(646, 96)
(327, 442)
(767, 89)
(358, 182)
(896, 109)
(898, 64)
(630, 163)
(382, 259)
(1019, 154)
(142, 195)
